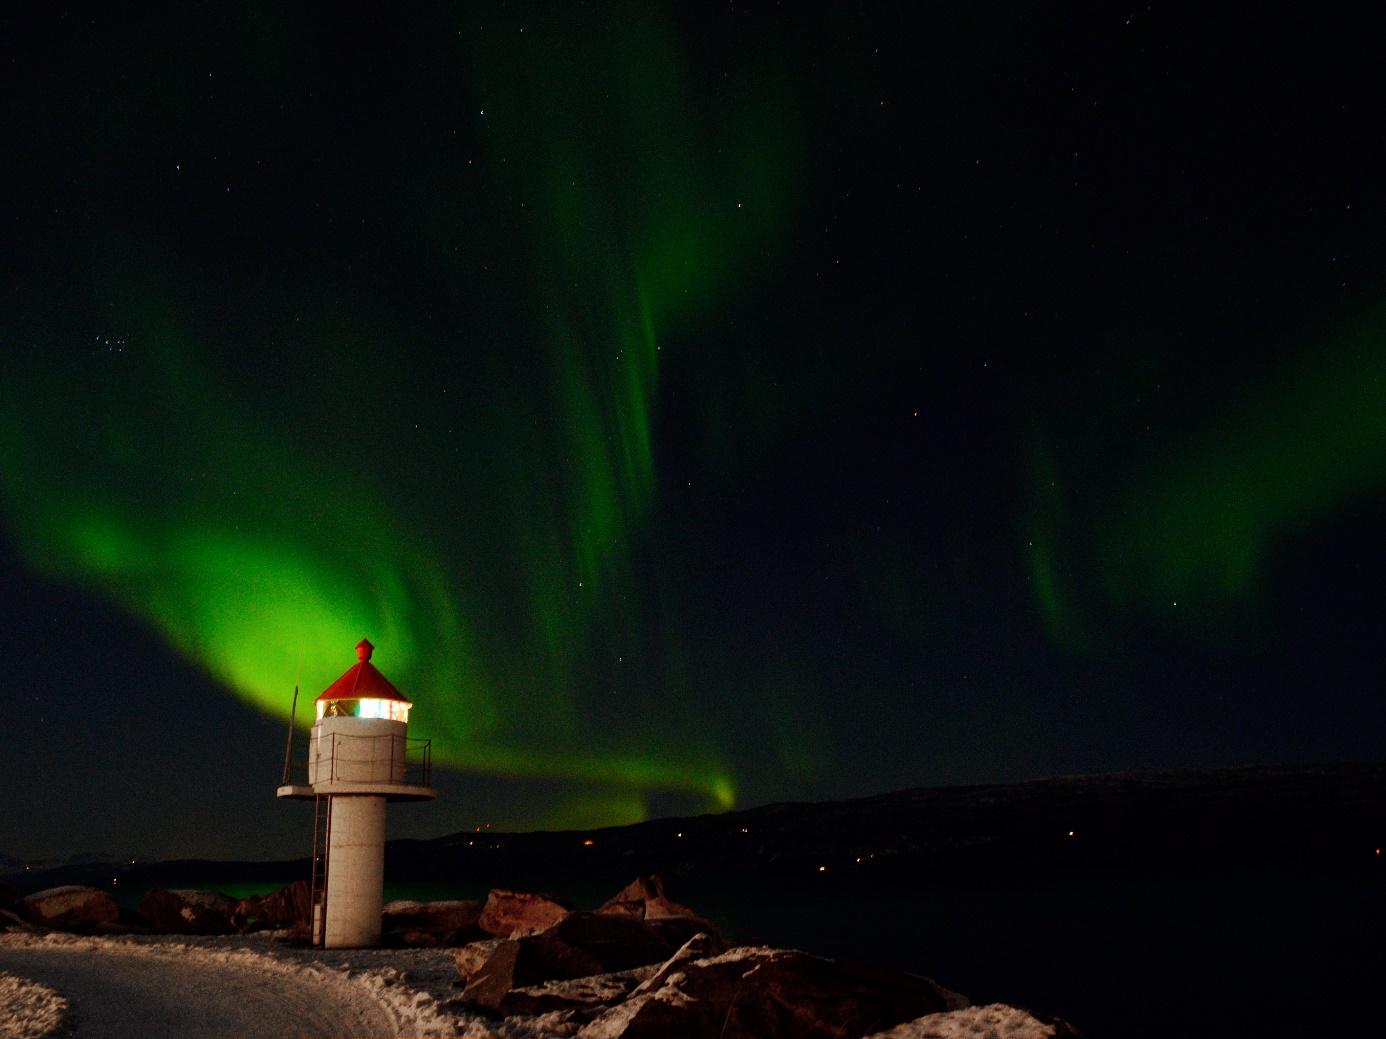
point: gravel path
(199, 989)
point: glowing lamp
(366, 707)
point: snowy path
(125, 990)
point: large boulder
(579, 945)
(760, 993)
(471, 957)
(516, 963)
(586, 996)
(187, 911)
(644, 898)
(508, 965)
(72, 907)
(699, 947)
(573, 994)
(430, 923)
(993, 1019)
(582, 944)
(514, 914)
(675, 930)
(14, 922)
(285, 908)
(556, 1024)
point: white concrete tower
(359, 757)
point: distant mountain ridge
(1193, 821)
(18, 864)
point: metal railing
(418, 772)
(345, 757)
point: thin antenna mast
(289, 743)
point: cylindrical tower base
(355, 872)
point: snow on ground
(240, 985)
(994, 1021)
(31, 1010)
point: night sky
(697, 406)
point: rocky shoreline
(640, 965)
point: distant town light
(588, 843)
(1070, 833)
(822, 869)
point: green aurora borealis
(1183, 533)
(255, 560)
(696, 408)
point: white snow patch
(414, 988)
(29, 1010)
(410, 1011)
(994, 1021)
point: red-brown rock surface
(579, 945)
(618, 971)
(470, 957)
(582, 944)
(286, 907)
(430, 923)
(645, 899)
(14, 922)
(71, 907)
(574, 994)
(759, 993)
(675, 930)
(507, 966)
(187, 911)
(513, 914)
(699, 947)
(995, 1019)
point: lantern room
(359, 743)
(393, 710)
(363, 692)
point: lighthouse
(359, 757)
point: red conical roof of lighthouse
(362, 681)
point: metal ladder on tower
(317, 883)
